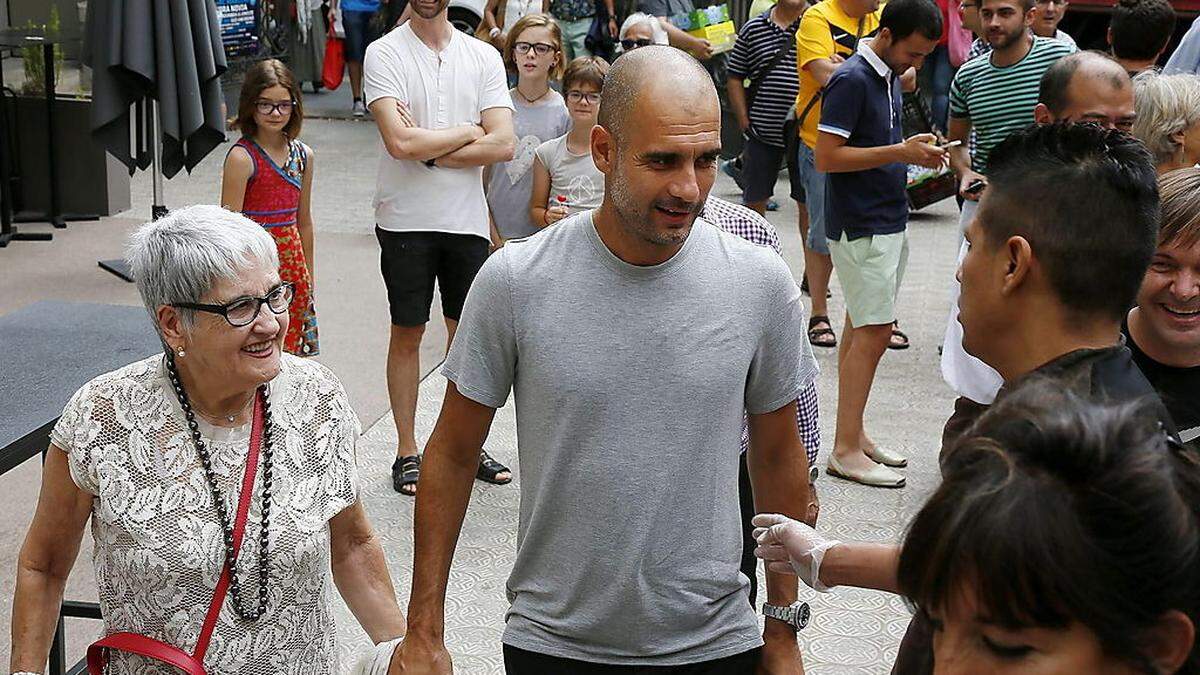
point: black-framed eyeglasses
(539, 48)
(628, 45)
(269, 107)
(243, 311)
(575, 96)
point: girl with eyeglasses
(534, 51)
(565, 179)
(268, 177)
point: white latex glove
(376, 661)
(791, 547)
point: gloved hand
(791, 547)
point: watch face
(803, 614)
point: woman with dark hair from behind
(1065, 538)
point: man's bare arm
(447, 474)
(822, 69)
(404, 140)
(779, 476)
(496, 145)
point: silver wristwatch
(795, 615)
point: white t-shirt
(441, 89)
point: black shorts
(760, 170)
(521, 662)
(410, 261)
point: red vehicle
(1087, 22)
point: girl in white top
(534, 50)
(565, 179)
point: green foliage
(33, 57)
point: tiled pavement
(852, 631)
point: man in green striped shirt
(995, 94)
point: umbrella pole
(157, 209)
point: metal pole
(55, 215)
(157, 209)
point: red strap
(239, 528)
(141, 645)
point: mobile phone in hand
(975, 187)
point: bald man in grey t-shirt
(632, 337)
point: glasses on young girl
(539, 48)
(268, 107)
(575, 96)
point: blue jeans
(358, 34)
(814, 190)
(940, 75)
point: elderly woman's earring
(180, 352)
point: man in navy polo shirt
(860, 145)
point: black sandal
(898, 340)
(490, 468)
(817, 336)
(405, 473)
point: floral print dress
(273, 201)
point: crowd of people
(660, 354)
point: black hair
(1054, 509)
(1086, 200)
(905, 17)
(1052, 90)
(1141, 28)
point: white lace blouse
(158, 548)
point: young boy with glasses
(565, 179)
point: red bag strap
(192, 664)
(239, 528)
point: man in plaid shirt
(745, 223)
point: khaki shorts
(870, 270)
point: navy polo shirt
(862, 104)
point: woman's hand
(791, 547)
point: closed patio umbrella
(156, 80)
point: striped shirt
(999, 101)
(742, 222)
(757, 44)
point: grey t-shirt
(572, 176)
(512, 181)
(630, 384)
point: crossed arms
(488, 142)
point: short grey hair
(657, 32)
(179, 257)
(1165, 105)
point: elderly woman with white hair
(219, 479)
(1168, 118)
(642, 30)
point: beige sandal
(877, 476)
(886, 458)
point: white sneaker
(360, 109)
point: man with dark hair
(1083, 87)
(992, 96)
(629, 542)
(861, 147)
(1086, 87)
(1139, 31)
(1057, 194)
